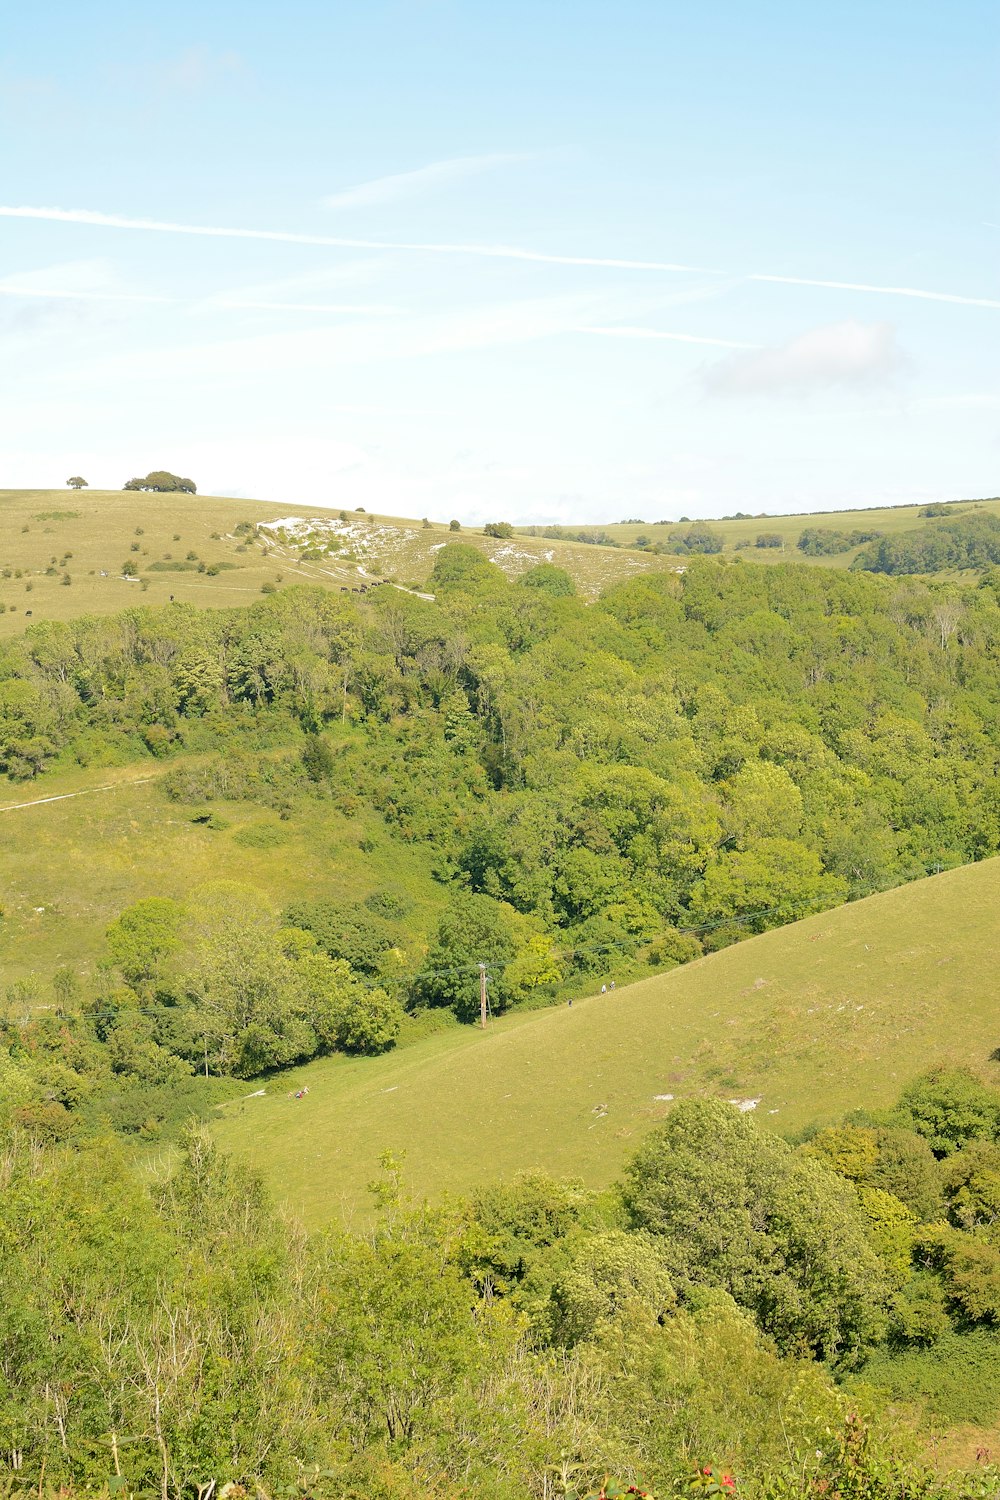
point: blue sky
(541, 261)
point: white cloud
(850, 353)
(402, 185)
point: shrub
(950, 1107)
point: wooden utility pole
(482, 995)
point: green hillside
(826, 1015)
(88, 535)
(739, 535)
(203, 550)
(80, 846)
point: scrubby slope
(46, 535)
(810, 1020)
(79, 846)
(739, 536)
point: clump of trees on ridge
(162, 482)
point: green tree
(738, 1209)
(144, 937)
(343, 930)
(896, 1161)
(775, 880)
(473, 930)
(762, 802)
(950, 1107)
(317, 757)
(162, 482)
(546, 578)
(395, 1332)
(606, 1277)
(971, 1182)
(77, 482)
(461, 568)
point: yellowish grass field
(832, 1013)
(100, 529)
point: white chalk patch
(744, 1105)
(664, 1098)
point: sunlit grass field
(810, 1020)
(69, 866)
(90, 534)
(889, 520)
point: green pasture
(886, 519)
(810, 1020)
(102, 839)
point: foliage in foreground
(170, 1329)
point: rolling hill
(739, 533)
(802, 1023)
(196, 549)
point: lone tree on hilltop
(498, 528)
(162, 482)
(77, 483)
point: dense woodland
(695, 757)
(957, 542)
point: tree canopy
(162, 482)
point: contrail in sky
(491, 252)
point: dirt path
(87, 791)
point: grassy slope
(68, 867)
(814, 1019)
(98, 528)
(889, 520)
